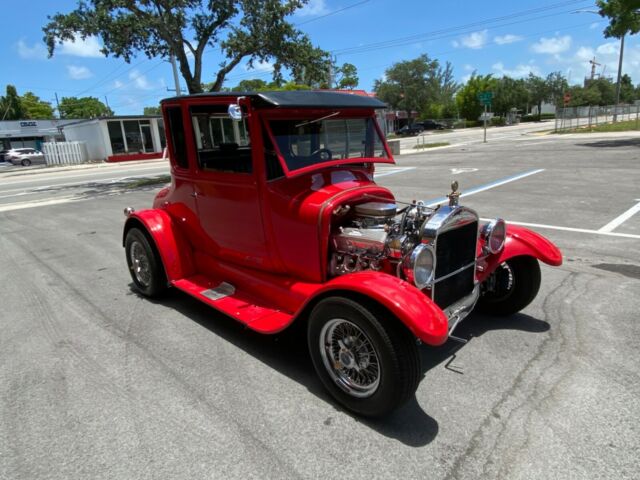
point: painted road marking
(616, 222)
(457, 171)
(393, 171)
(41, 203)
(482, 188)
(105, 171)
(567, 229)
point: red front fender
(412, 307)
(522, 241)
(173, 248)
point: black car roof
(298, 99)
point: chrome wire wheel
(140, 264)
(350, 358)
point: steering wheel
(323, 153)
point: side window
(223, 145)
(273, 166)
(178, 139)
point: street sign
(485, 97)
(567, 98)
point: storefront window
(115, 135)
(133, 136)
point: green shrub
(498, 121)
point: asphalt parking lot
(97, 382)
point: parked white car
(24, 156)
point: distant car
(24, 156)
(432, 125)
(407, 130)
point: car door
(225, 187)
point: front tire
(25, 162)
(511, 287)
(370, 364)
(145, 266)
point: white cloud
(585, 53)
(611, 48)
(118, 84)
(475, 40)
(313, 8)
(519, 71)
(506, 39)
(469, 68)
(553, 45)
(139, 80)
(89, 47)
(594, 25)
(37, 52)
(78, 73)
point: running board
(226, 298)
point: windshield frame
(311, 114)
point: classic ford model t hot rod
(273, 217)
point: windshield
(306, 142)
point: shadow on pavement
(287, 353)
(613, 143)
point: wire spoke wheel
(140, 264)
(350, 358)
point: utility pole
(331, 72)
(58, 105)
(175, 75)
(106, 101)
(485, 123)
(615, 115)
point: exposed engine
(373, 232)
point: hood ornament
(454, 195)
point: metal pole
(175, 75)
(58, 105)
(619, 77)
(485, 123)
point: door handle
(194, 194)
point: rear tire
(145, 265)
(25, 162)
(511, 287)
(367, 360)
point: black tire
(394, 347)
(516, 284)
(25, 162)
(145, 265)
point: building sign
(28, 124)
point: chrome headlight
(419, 266)
(494, 234)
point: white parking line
(393, 171)
(567, 229)
(616, 222)
(482, 188)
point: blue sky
(498, 37)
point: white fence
(64, 153)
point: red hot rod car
(273, 216)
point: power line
(329, 14)
(460, 29)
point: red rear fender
(412, 307)
(173, 248)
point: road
(97, 382)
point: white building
(119, 138)
(30, 133)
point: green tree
(623, 16)
(152, 111)
(35, 108)
(509, 93)
(556, 87)
(469, 105)
(420, 85)
(11, 107)
(244, 30)
(85, 107)
(346, 76)
(252, 85)
(628, 93)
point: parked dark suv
(407, 130)
(432, 125)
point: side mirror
(235, 112)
